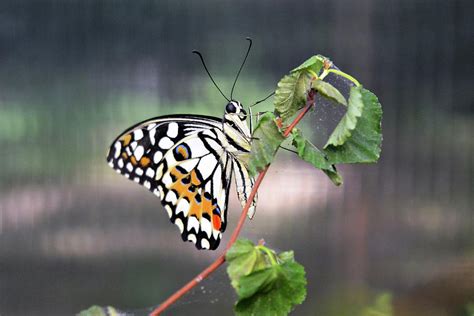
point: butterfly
(188, 161)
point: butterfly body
(188, 162)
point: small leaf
(329, 91)
(310, 153)
(267, 139)
(101, 311)
(349, 121)
(273, 287)
(243, 258)
(314, 63)
(290, 95)
(287, 256)
(381, 307)
(363, 145)
(272, 291)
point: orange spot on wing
(183, 152)
(194, 208)
(126, 139)
(216, 222)
(124, 155)
(194, 178)
(145, 161)
(133, 160)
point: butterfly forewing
(180, 159)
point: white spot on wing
(147, 184)
(120, 163)
(180, 225)
(193, 223)
(168, 210)
(152, 136)
(129, 167)
(150, 172)
(157, 193)
(139, 152)
(206, 226)
(172, 130)
(137, 179)
(157, 156)
(139, 171)
(171, 197)
(197, 147)
(165, 143)
(159, 172)
(205, 244)
(207, 165)
(118, 147)
(192, 237)
(138, 134)
(183, 206)
(151, 126)
(167, 180)
(133, 145)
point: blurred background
(75, 74)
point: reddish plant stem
(221, 259)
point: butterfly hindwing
(195, 191)
(244, 184)
(180, 160)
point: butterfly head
(234, 110)
(235, 117)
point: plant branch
(221, 259)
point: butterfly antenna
(264, 99)
(209, 74)
(241, 66)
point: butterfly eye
(230, 108)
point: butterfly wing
(181, 160)
(244, 184)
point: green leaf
(267, 139)
(243, 258)
(287, 256)
(349, 121)
(314, 63)
(272, 291)
(101, 311)
(381, 307)
(329, 91)
(310, 153)
(290, 95)
(359, 143)
(270, 285)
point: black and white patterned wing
(244, 184)
(180, 159)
